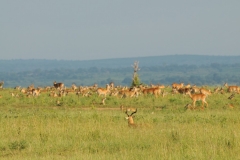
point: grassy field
(82, 128)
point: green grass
(35, 128)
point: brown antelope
(74, 87)
(103, 91)
(58, 85)
(232, 88)
(130, 119)
(177, 86)
(205, 91)
(36, 92)
(130, 93)
(216, 90)
(23, 90)
(111, 84)
(114, 92)
(188, 86)
(155, 91)
(53, 94)
(1, 84)
(198, 97)
(31, 87)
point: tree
(135, 80)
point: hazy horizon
(93, 30)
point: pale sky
(102, 29)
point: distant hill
(17, 65)
(199, 70)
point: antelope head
(130, 118)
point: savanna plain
(78, 127)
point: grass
(35, 128)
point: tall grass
(35, 128)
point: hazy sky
(100, 29)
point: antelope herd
(195, 93)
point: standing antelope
(232, 88)
(102, 91)
(58, 85)
(1, 84)
(198, 97)
(130, 119)
(156, 91)
(205, 91)
(177, 86)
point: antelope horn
(133, 112)
(127, 113)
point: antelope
(155, 91)
(195, 89)
(205, 91)
(36, 92)
(31, 87)
(102, 91)
(74, 87)
(58, 85)
(111, 84)
(232, 96)
(130, 93)
(188, 86)
(53, 94)
(198, 97)
(1, 84)
(115, 92)
(232, 88)
(177, 86)
(216, 90)
(130, 118)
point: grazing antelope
(130, 118)
(232, 96)
(58, 85)
(198, 97)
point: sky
(94, 29)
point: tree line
(213, 74)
